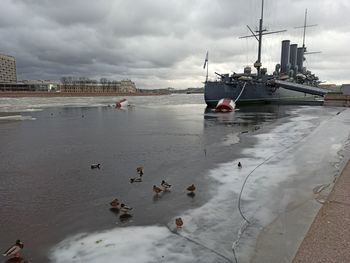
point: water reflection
(125, 218)
(17, 260)
(246, 115)
(191, 194)
(114, 210)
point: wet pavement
(328, 239)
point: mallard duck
(115, 203)
(156, 189)
(139, 170)
(125, 209)
(179, 223)
(165, 185)
(239, 165)
(14, 250)
(191, 188)
(94, 166)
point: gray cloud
(160, 43)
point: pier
(337, 99)
(328, 238)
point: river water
(59, 207)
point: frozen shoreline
(216, 224)
(279, 241)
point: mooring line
(285, 149)
(239, 95)
(240, 194)
(234, 254)
(201, 245)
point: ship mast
(257, 64)
(304, 29)
(304, 33)
(258, 36)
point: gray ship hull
(253, 93)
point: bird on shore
(14, 250)
(179, 223)
(115, 203)
(94, 166)
(125, 209)
(165, 185)
(239, 165)
(191, 188)
(156, 189)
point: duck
(239, 165)
(179, 223)
(191, 188)
(125, 209)
(14, 250)
(165, 185)
(156, 189)
(94, 166)
(139, 170)
(115, 203)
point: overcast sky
(162, 43)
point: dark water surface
(48, 191)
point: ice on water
(30, 104)
(132, 245)
(283, 168)
(231, 139)
(16, 118)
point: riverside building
(76, 86)
(7, 69)
(9, 83)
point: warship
(290, 82)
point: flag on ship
(206, 60)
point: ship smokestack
(300, 58)
(285, 57)
(293, 56)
